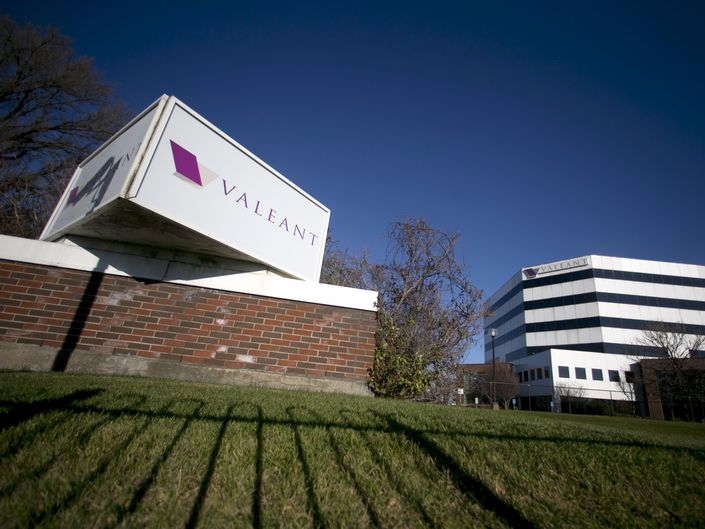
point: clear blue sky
(537, 130)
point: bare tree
(506, 384)
(54, 110)
(479, 384)
(628, 389)
(342, 268)
(673, 341)
(570, 395)
(428, 312)
(677, 346)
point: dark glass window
(597, 374)
(614, 375)
(580, 373)
(539, 373)
(629, 376)
(526, 376)
(546, 372)
(533, 374)
(563, 372)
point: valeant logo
(530, 273)
(188, 168)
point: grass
(79, 451)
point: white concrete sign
(172, 179)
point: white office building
(576, 323)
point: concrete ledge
(25, 357)
(177, 267)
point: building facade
(573, 326)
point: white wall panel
(571, 288)
(643, 312)
(625, 336)
(648, 267)
(570, 336)
(637, 288)
(582, 310)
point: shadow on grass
(340, 460)
(23, 411)
(467, 484)
(147, 481)
(313, 506)
(208, 475)
(399, 483)
(79, 443)
(301, 420)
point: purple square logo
(186, 164)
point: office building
(578, 322)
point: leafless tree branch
(54, 110)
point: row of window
(597, 374)
(534, 374)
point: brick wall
(118, 315)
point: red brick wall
(126, 316)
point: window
(597, 374)
(563, 372)
(546, 372)
(539, 373)
(614, 375)
(580, 373)
(520, 377)
(526, 376)
(629, 376)
(533, 374)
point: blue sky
(537, 130)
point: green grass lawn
(89, 451)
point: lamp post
(493, 333)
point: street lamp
(493, 333)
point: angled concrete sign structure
(171, 179)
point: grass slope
(80, 451)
